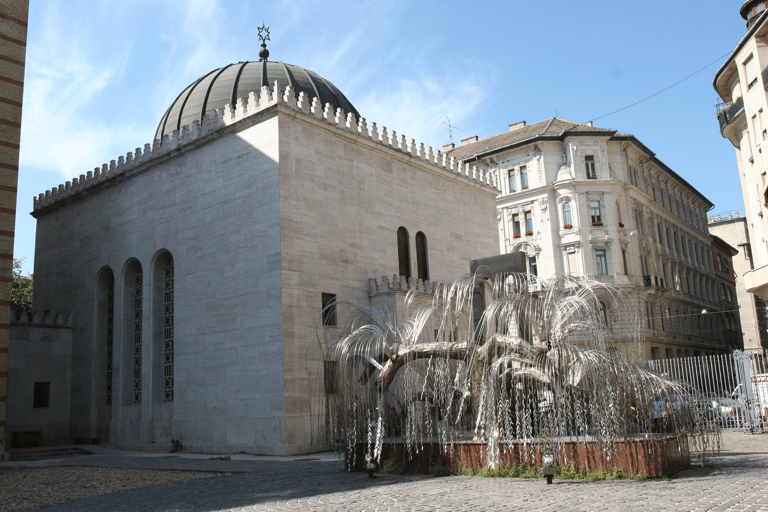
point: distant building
(733, 229)
(742, 82)
(583, 200)
(727, 316)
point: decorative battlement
(735, 214)
(267, 98)
(400, 284)
(44, 318)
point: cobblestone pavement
(738, 481)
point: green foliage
(441, 467)
(506, 471)
(21, 289)
(176, 445)
(571, 472)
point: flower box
(621, 224)
(567, 226)
(517, 235)
(528, 233)
(525, 187)
(597, 223)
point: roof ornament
(263, 53)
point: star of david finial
(264, 36)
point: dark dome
(227, 84)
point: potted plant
(567, 226)
(517, 235)
(597, 223)
(528, 233)
(621, 224)
(525, 187)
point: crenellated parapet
(400, 284)
(268, 97)
(42, 318)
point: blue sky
(100, 75)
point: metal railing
(732, 388)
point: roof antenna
(450, 129)
(263, 53)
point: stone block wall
(40, 352)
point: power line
(666, 88)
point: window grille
(168, 331)
(137, 289)
(110, 335)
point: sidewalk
(738, 481)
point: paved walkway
(738, 481)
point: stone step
(27, 454)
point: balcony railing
(728, 112)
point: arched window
(404, 252)
(422, 260)
(567, 219)
(133, 320)
(163, 329)
(105, 303)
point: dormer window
(589, 161)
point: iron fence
(732, 389)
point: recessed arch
(422, 256)
(163, 327)
(133, 332)
(404, 252)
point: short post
(547, 467)
(371, 466)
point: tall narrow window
(570, 261)
(137, 342)
(168, 355)
(567, 219)
(533, 268)
(528, 223)
(618, 213)
(594, 209)
(422, 259)
(624, 259)
(524, 177)
(512, 182)
(602, 262)
(589, 161)
(110, 334)
(516, 225)
(404, 252)
(329, 309)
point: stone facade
(742, 83)
(733, 229)
(259, 211)
(583, 200)
(40, 378)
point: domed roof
(225, 85)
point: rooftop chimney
(469, 140)
(517, 125)
(448, 147)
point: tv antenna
(451, 128)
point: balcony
(765, 79)
(727, 113)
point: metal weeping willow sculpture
(499, 361)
